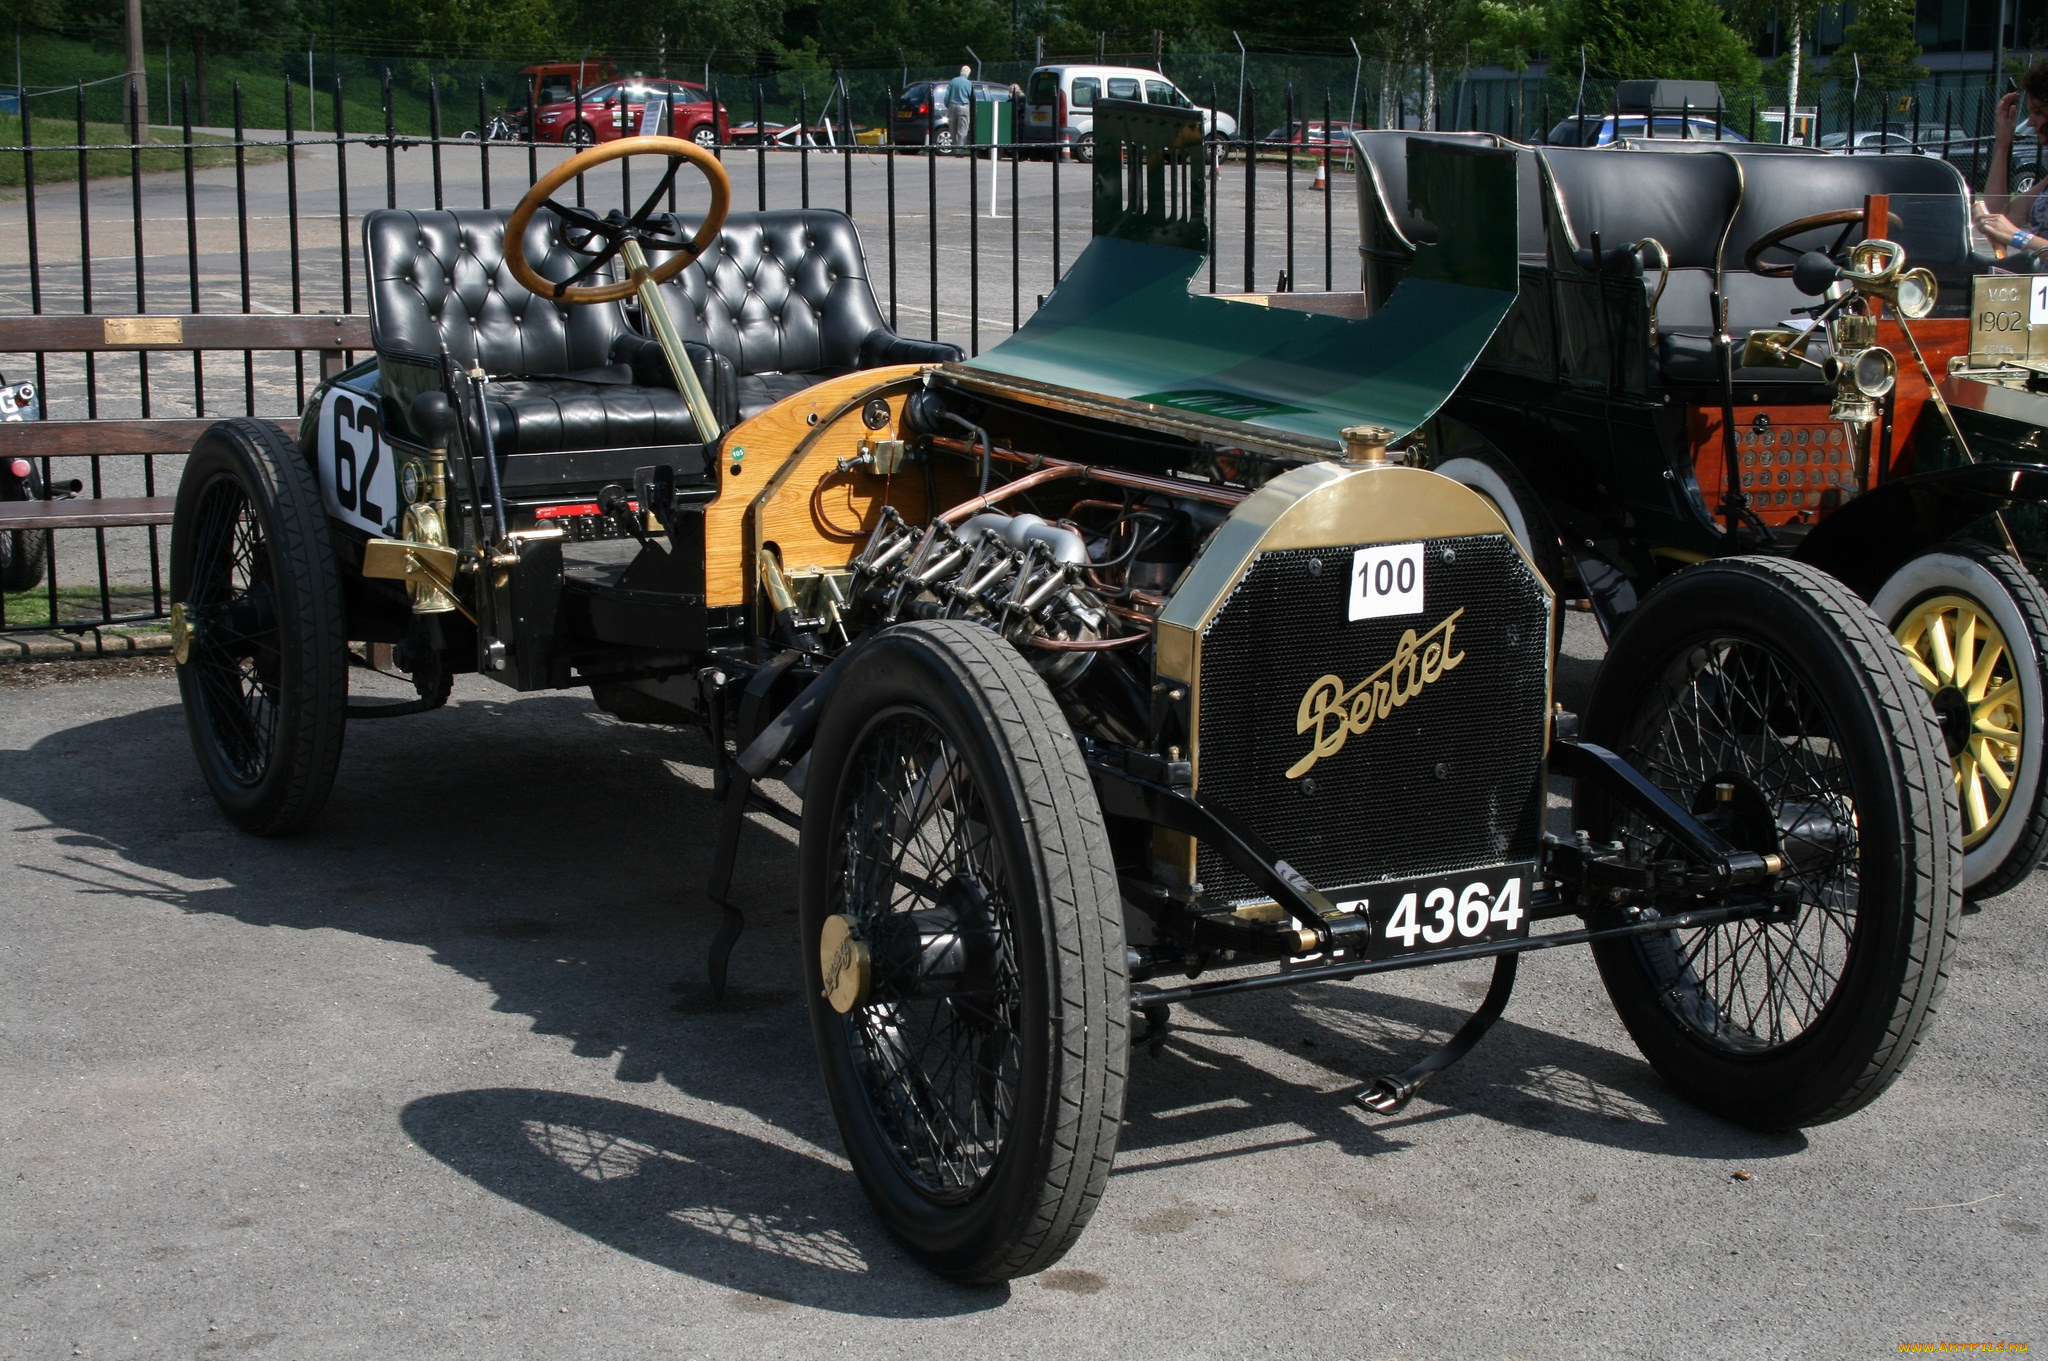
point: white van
(1059, 103)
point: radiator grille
(1452, 779)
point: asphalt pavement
(441, 1077)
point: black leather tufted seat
(783, 299)
(1691, 197)
(568, 373)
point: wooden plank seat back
(332, 337)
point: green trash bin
(994, 122)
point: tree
(206, 22)
(1881, 40)
(1660, 39)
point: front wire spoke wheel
(917, 879)
(965, 953)
(1764, 697)
(1733, 712)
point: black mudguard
(1868, 539)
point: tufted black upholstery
(1690, 198)
(439, 279)
(784, 298)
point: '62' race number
(1437, 914)
(357, 480)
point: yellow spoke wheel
(1960, 654)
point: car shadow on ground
(557, 857)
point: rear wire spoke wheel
(257, 626)
(1974, 624)
(964, 951)
(1765, 697)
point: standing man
(960, 108)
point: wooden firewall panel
(781, 482)
(1792, 456)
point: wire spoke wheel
(256, 626)
(229, 624)
(1764, 697)
(965, 950)
(1734, 711)
(918, 870)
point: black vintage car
(1712, 353)
(1124, 666)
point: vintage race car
(1126, 665)
(1712, 353)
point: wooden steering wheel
(1848, 219)
(602, 237)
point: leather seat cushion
(759, 391)
(553, 415)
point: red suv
(613, 110)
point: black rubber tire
(942, 137)
(1884, 753)
(1502, 484)
(578, 134)
(706, 137)
(1084, 148)
(1066, 938)
(2002, 588)
(22, 553)
(298, 654)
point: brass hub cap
(845, 964)
(1961, 656)
(181, 634)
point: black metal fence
(961, 246)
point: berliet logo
(1333, 713)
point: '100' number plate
(1445, 911)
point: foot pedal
(1388, 1094)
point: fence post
(390, 146)
(889, 173)
(1287, 150)
(1251, 176)
(760, 148)
(434, 131)
(291, 200)
(483, 144)
(242, 231)
(803, 137)
(1329, 193)
(348, 301)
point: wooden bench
(329, 335)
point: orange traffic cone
(1322, 175)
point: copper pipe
(1048, 469)
(967, 508)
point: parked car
(1135, 616)
(1591, 130)
(920, 114)
(1059, 103)
(1888, 141)
(551, 82)
(614, 110)
(1314, 133)
(1642, 445)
